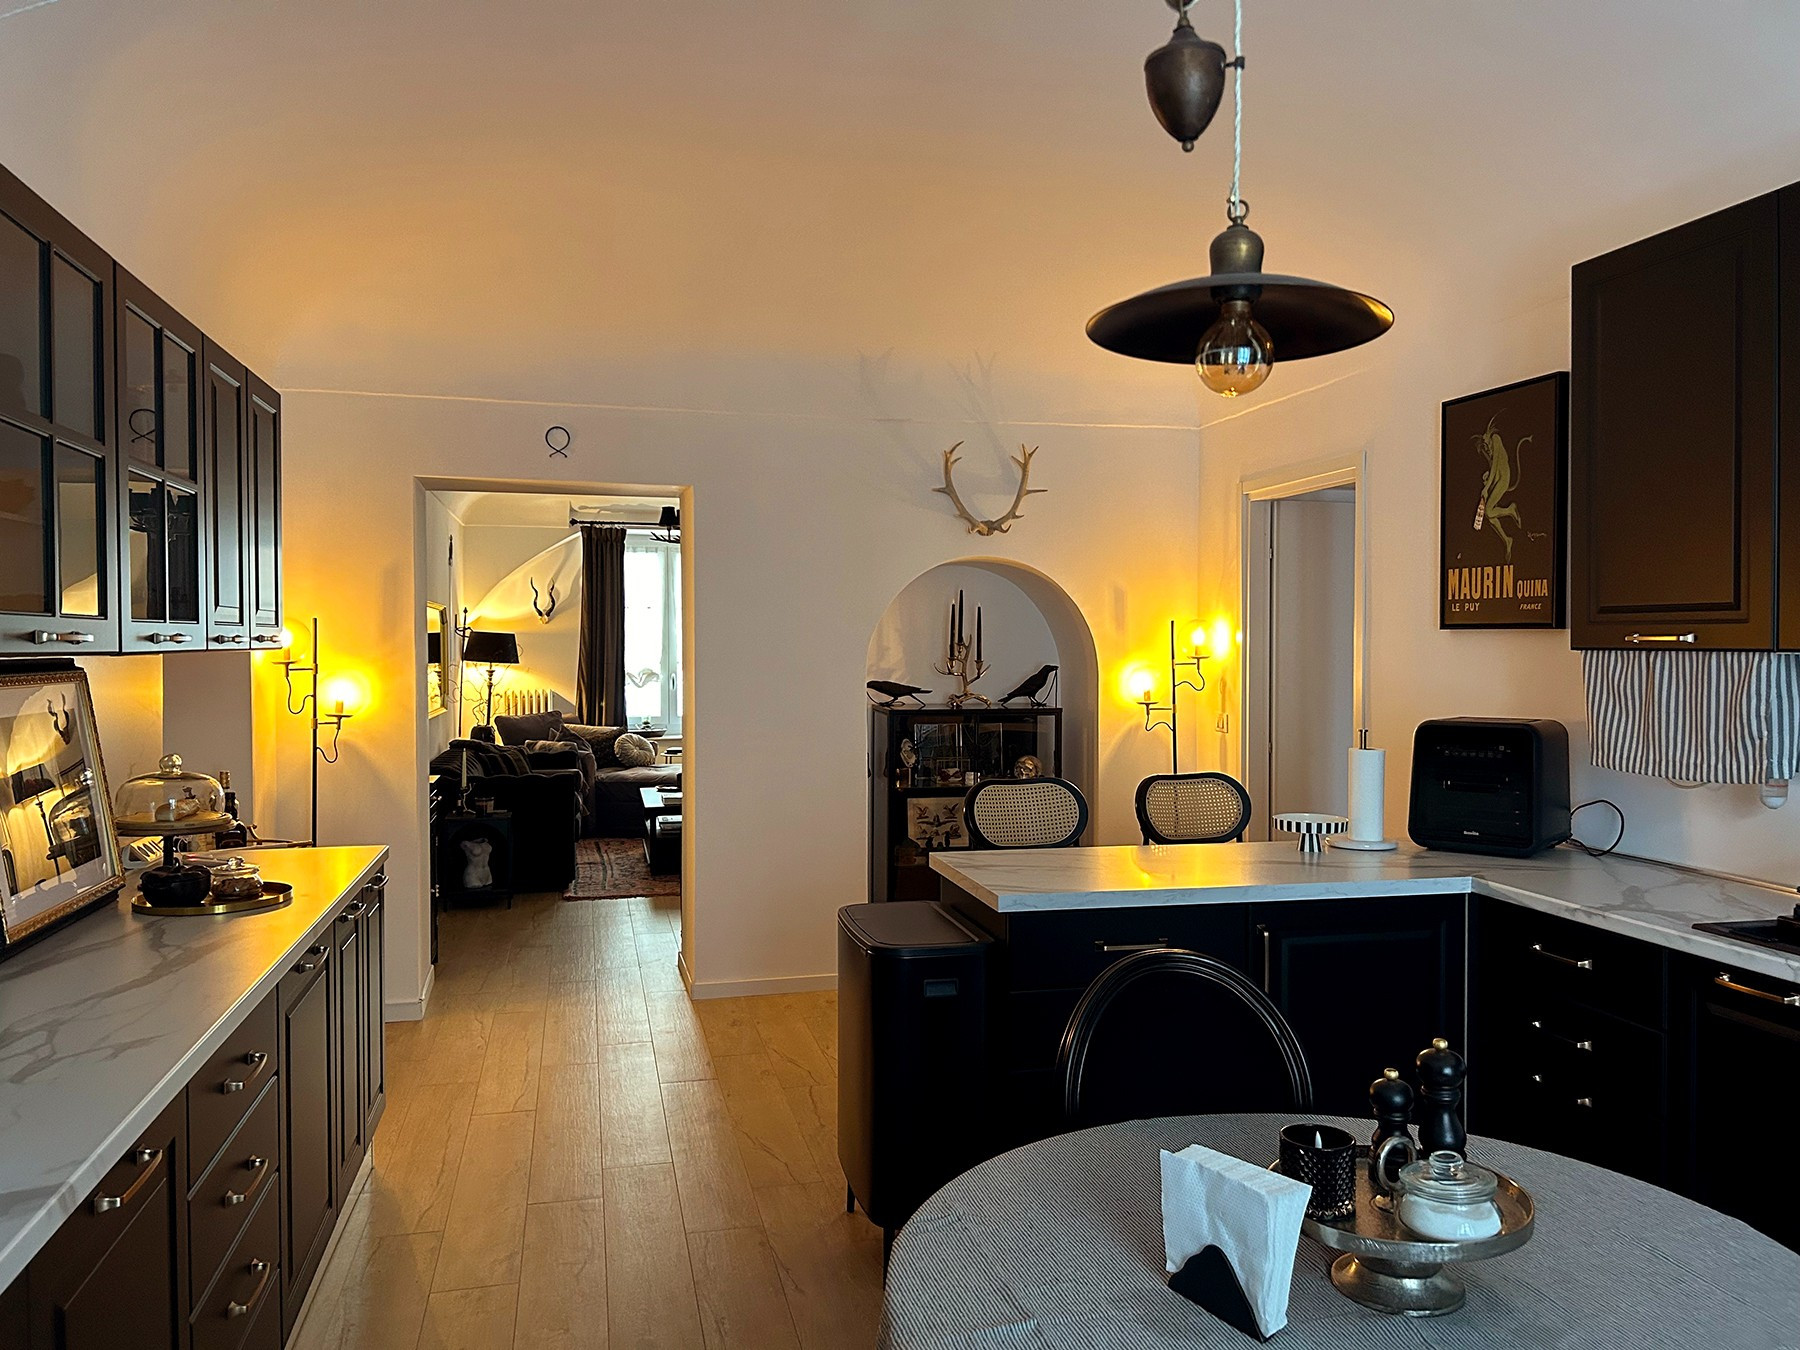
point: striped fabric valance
(1701, 717)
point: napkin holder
(1206, 1278)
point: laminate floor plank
(709, 1168)
(471, 1319)
(650, 1303)
(562, 1285)
(484, 1236)
(510, 1065)
(743, 1305)
(633, 1131)
(567, 1156)
(773, 1147)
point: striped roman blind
(1701, 717)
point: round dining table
(1059, 1246)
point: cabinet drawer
(220, 1095)
(222, 1202)
(249, 1280)
(1066, 950)
(1537, 954)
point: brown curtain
(600, 666)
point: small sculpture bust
(477, 875)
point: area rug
(608, 869)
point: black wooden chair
(1169, 1032)
(1192, 808)
(1025, 813)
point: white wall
(1313, 675)
(1389, 411)
(911, 636)
(503, 561)
(798, 533)
(441, 582)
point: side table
(456, 863)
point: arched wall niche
(1028, 620)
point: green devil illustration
(1497, 483)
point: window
(653, 632)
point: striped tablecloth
(1058, 1246)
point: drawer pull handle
(236, 1198)
(74, 639)
(145, 1158)
(1576, 963)
(1150, 946)
(318, 953)
(354, 910)
(1724, 981)
(1558, 1036)
(1585, 1102)
(235, 638)
(305, 966)
(256, 1058)
(1660, 637)
(236, 1309)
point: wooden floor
(575, 1154)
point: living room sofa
(612, 790)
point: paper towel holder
(1347, 840)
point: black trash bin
(913, 1074)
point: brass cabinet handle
(251, 1164)
(1577, 963)
(146, 1158)
(1150, 946)
(1660, 637)
(1724, 981)
(236, 1309)
(1268, 945)
(1558, 1036)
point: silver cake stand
(1387, 1267)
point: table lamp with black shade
(31, 784)
(491, 649)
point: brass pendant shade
(1185, 78)
(1303, 317)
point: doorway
(1303, 607)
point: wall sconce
(1144, 685)
(344, 695)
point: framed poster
(1503, 510)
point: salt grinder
(1391, 1099)
(1439, 1113)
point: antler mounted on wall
(542, 611)
(1000, 524)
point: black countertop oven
(1490, 785)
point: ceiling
(868, 209)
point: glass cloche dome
(73, 835)
(172, 800)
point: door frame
(1257, 494)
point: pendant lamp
(1234, 323)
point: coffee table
(662, 829)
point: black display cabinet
(916, 808)
(493, 829)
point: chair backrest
(1192, 808)
(1025, 813)
(1172, 1032)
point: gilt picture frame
(1503, 506)
(59, 855)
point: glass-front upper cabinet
(162, 551)
(57, 544)
(225, 401)
(262, 505)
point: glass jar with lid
(1447, 1198)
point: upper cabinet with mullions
(1683, 432)
(140, 463)
(57, 546)
(162, 545)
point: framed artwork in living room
(1503, 507)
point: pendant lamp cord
(1237, 208)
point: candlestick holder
(961, 665)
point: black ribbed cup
(1324, 1157)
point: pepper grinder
(1391, 1099)
(1439, 1113)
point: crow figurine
(896, 691)
(1031, 686)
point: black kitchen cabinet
(58, 552)
(226, 402)
(1675, 438)
(111, 1275)
(1738, 1058)
(262, 511)
(349, 975)
(162, 546)
(308, 1076)
(1788, 544)
(372, 923)
(1366, 985)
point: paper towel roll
(1368, 790)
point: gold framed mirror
(437, 657)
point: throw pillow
(601, 741)
(546, 726)
(634, 752)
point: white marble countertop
(1645, 900)
(103, 1023)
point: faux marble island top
(1652, 901)
(104, 1022)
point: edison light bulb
(1235, 353)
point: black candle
(978, 633)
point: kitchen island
(1596, 1020)
(140, 1056)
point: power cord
(1618, 838)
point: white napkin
(1250, 1213)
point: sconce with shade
(32, 784)
(486, 647)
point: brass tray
(1388, 1267)
(274, 895)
